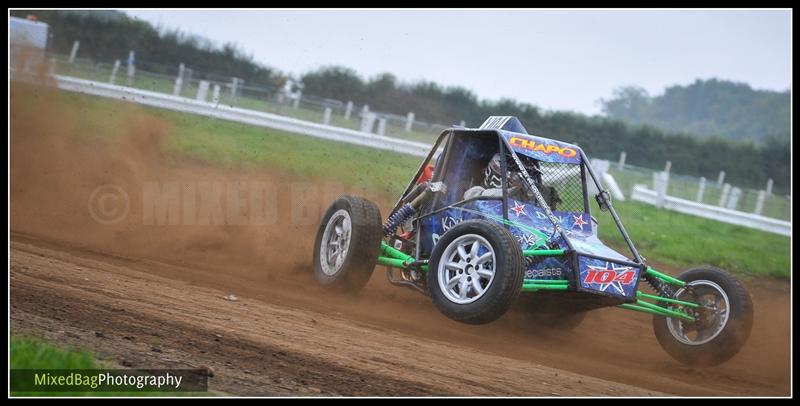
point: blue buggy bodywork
(590, 266)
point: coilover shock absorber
(398, 217)
(659, 286)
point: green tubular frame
(542, 253)
(532, 285)
(664, 299)
(665, 277)
(393, 257)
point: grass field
(32, 353)
(687, 241)
(660, 235)
(239, 145)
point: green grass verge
(33, 353)
(240, 145)
(661, 236)
(686, 241)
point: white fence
(181, 80)
(251, 117)
(659, 198)
(643, 194)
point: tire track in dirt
(611, 344)
(256, 348)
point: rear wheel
(476, 272)
(722, 322)
(347, 244)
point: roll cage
(584, 259)
(448, 137)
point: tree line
(706, 107)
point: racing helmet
(493, 174)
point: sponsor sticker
(532, 145)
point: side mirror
(603, 200)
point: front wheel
(476, 272)
(722, 322)
(348, 244)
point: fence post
(409, 121)
(364, 110)
(726, 188)
(668, 166)
(367, 122)
(600, 167)
(296, 103)
(760, 202)
(382, 126)
(348, 110)
(131, 67)
(733, 200)
(721, 178)
(769, 186)
(280, 99)
(74, 52)
(621, 164)
(179, 81)
(661, 180)
(234, 87)
(114, 70)
(215, 95)
(700, 190)
(326, 117)
(202, 91)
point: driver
(492, 185)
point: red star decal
(579, 222)
(519, 209)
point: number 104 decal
(608, 277)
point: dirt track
(154, 295)
(256, 347)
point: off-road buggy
(474, 252)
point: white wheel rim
(466, 269)
(715, 307)
(335, 242)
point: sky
(554, 59)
